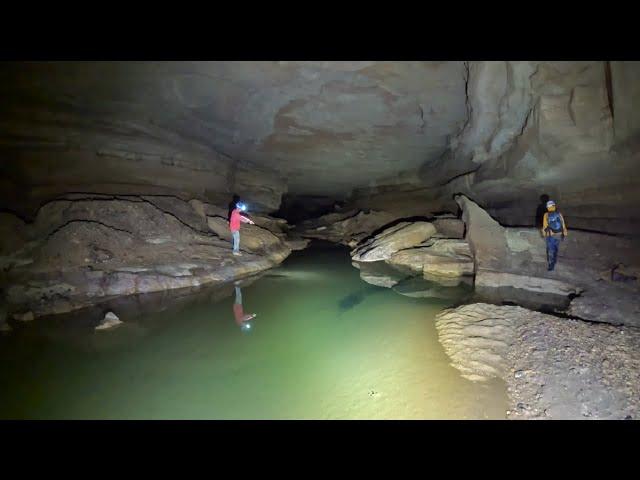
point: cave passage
(431, 181)
(324, 345)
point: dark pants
(553, 242)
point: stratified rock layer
(511, 266)
(555, 368)
(385, 244)
(84, 249)
(570, 130)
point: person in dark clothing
(553, 229)
(541, 210)
(232, 205)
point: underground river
(323, 345)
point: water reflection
(452, 291)
(140, 314)
(243, 320)
(328, 346)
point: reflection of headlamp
(245, 327)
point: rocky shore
(554, 368)
(85, 249)
(566, 342)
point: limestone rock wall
(403, 137)
(68, 154)
(85, 249)
(205, 129)
(510, 266)
(566, 129)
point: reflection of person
(553, 228)
(234, 225)
(242, 320)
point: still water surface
(323, 345)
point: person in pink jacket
(243, 320)
(234, 225)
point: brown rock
(401, 236)
(110, 320)
(347, 228)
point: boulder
(347, 228)
(253, 238)
(379, 274)
(385, 244)
(419, 288)
(110, 320)
(511, 267)
(298, 243)
(447, 281)
(526, 290)
(409, 260)
(449, 227)
(199, 207)
(486, 237)
(477, 338)
(440, 266)
(440, 258)
(501, 270)
(84, 249)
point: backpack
(554, 222)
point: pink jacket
(236, 218)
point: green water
(324, 345)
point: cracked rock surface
(511, 267)
(81, 250)
(555, 368)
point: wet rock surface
(380, 274)
(565, 129)
(448, 258)
(430, 255)
(555, 368)
(416, 287)
(79, 328)
(511, 267)
(158, 153)
(84, 249)
(110, 320)
(448, 226)
(418, 259)
(385, 244)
